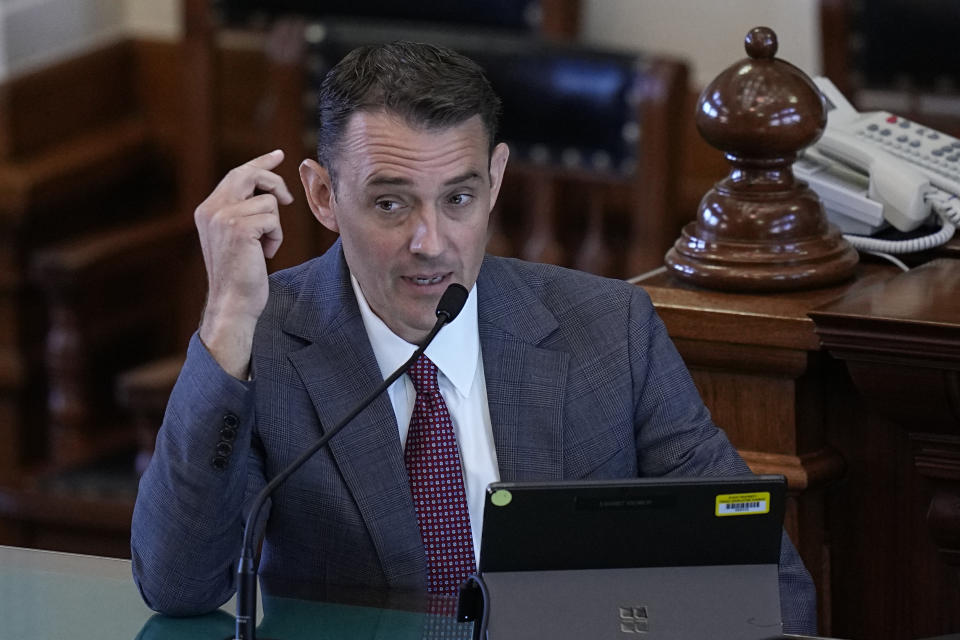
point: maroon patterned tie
(436, 482)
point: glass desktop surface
(46, 595)
(59, 596)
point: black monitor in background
(906, 44)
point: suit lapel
(525, 391)
(338, 370)
(525, 381)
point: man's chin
(414, 327)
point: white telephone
(876, 169)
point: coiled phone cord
(946, 205)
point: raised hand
(239, 227)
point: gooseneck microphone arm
(451, 302)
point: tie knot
(423, 374)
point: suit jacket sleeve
(188, 518)
(676, 436)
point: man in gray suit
(547, 373)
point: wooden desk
(900, 506)
(790, 406)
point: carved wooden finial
(760, 229)
(761, 42)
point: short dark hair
(427, 85)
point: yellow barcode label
(743, 504)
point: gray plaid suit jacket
(582, 382)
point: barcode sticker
(743, 504)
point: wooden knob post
(760, 229)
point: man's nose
(426, 238)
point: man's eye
(460, 199)
(387, 206)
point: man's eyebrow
(388, 180)
(463, 177)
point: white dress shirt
(456, 352)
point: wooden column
(290, 125)
(542, 243)
(197, 164)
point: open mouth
(426, 281)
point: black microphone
(451, 302)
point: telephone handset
(875, 168)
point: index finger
(268, 161)
(265, 179)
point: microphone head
(452, 301)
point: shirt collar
(455, 349)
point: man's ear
(498, 166)
(318, 186)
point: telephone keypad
(934, 153)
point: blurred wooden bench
(91, 240)
(77, 155)
(112, 302)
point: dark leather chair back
(514, 15)
(564, 105)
